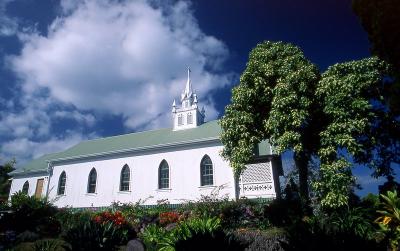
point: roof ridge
(120, 135)
(152, 130)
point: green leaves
(347, 92)
(338, 118)
(273, 100)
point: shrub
(389, 221)
(152, 236)
(273, 239)
(97, 231)
(30, 213)
(345, 229)
(199, 234)
(169, 217)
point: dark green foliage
(199, 234)
(389, 185)
(233, 214)
(351, 230)
(273, 239)
(282, 212)
(381, 20)
(32, 214)
(275, 101)
(87, 235)
(338, 118)
(5, 183)
(50, 245)
(83, 231)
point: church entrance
(39, 188)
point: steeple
(188, 115)
(187, 93)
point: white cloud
(86, 119)
(8, 25)
(123, 58)
(25, 149)
(106, 57)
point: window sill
(61, 195)
(125, 192)
(207, 187)
(164, 190)
(91, 194)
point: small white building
(176, 164)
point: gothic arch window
(190, 118)
(180, 119)
(125, 178)
(61, 183)
(25, 187)
(206, 171)
(163, 175)
(92, 180)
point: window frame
(189, 118)
(59, 183)
(163, 164)
(180, 120)
(122, 187)
(25, 188)
(203, 175)
(89, 185)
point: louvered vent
(260, 172)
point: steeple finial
(188, 88)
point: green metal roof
(133, 142)
(116, 144)
(36, 165)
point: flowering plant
(108, 217)
(169, 217)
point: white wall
(18, 182)
(184, 167)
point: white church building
(177, 164)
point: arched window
(25, 187)
(206, 171)
(91, 188)
(180, 119)
(190, 118)
(125, 178)
(163, 175)
(61, 183)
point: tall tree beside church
(357, 120)
(340, 118)
(274, 101)
(5, 183)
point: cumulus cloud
(8, 25)
(120, 58)
(124, 58)
(26, 149)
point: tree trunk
(301, 159)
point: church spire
(187, 93)
(188, 115)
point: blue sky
(74, 70)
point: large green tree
(5, 182)
(355, 130)
(381, 20)
(275, 101)
(338, 118)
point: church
(177, 165)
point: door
(39, 188)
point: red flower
(169, 217)
(97, 219)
